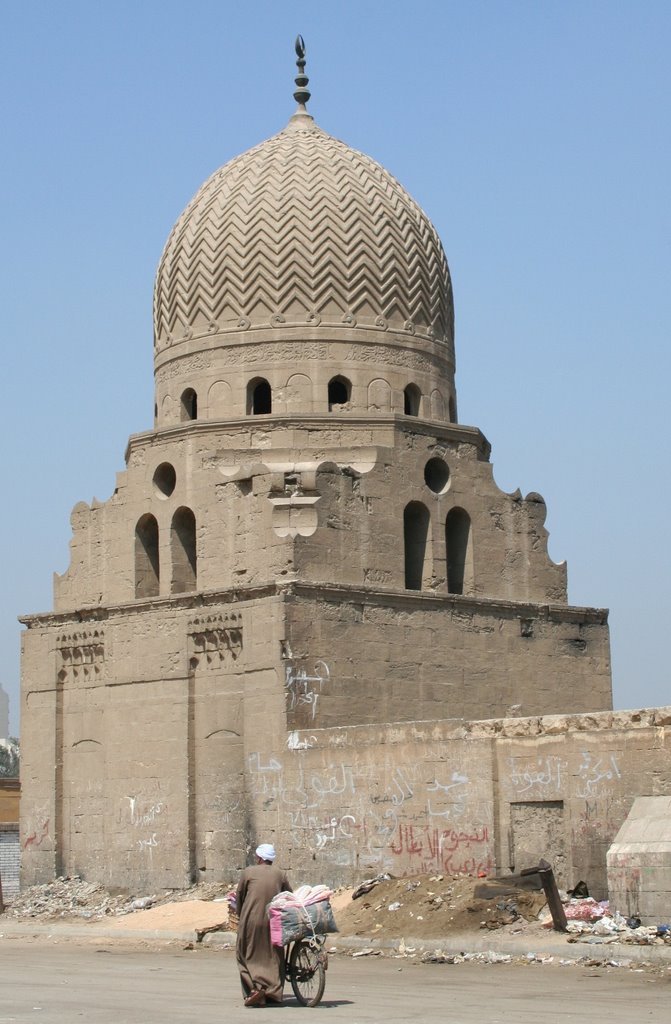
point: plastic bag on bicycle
(289, 923)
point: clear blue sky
(535, 135)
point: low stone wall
(342, 804)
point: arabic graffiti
(148, 845)
(140, 816)
(447, 804)
(446, 850)
(327, 834)
(303, 688)
(337, 811)
(593, 771)
(545, 773)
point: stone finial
(302, 94)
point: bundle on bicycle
(300, 921)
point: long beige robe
(261, 964)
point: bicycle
(305, 965)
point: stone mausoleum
(307, 612)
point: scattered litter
(369, 884)
(586, 909)
(143, 903)
(395, 905)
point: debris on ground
(430, 906)
(72, 897)
(421, 907)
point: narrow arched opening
(339, 393)
(416, 521)
(147, 574)
(412, 397)
(259, 397)
(188, 405)
(459, 551)
(183, 551)
(452, 406)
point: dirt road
(63, 982)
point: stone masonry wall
(406, 657)
(136, 738)
(343, 804)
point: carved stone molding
(81, 655)
(215, 640)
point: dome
(302, 229)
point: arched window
(188, 405)
(453, 410)
(411, 398)
(147, 576)
(459, 552)
(415, 539)
(340, 390)
(259, 397)
(183, 551)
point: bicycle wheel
(306, 970)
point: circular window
(165, 479)
(436, 475)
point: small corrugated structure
(639, 862)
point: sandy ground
(196, 915)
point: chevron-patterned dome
(302, 228)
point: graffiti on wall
(143, 814)
(528, 776)
(593, 772)
(37, 828)
(454, 851)
(304, 686)
(351, 815)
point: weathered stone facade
(307, 543)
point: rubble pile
(72, 897)
(430, 906)
(66, 897)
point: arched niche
(147, 569)
(379, 395)
(299, 393)
(219, 400)
(416, 522)
(183, 551)
(437, 405)
(459, 551)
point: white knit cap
(266, 851)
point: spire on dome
(302, 94)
